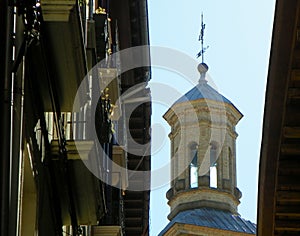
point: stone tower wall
(203, 123)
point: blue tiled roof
(212, 218)
(202, 90)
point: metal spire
(201, 39)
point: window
(213, 173)
(194, 168)
(213, 176)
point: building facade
(278, 209)
(57, 159)
(204, 197)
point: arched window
(213, 173)
(194, 167)
(230, 160)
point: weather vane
(201, 39)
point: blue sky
(238, 33)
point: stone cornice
(202, 197)
(57, 10)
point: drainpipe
(18, 71)
(17, 149)
(145, 36)
(91, 9)
(5, 136)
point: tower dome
(203, 90)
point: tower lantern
(204, 196)
(203, 143)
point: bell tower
(203, 150)
(204, 197)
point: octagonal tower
(203, 150)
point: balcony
(86, 188)
(60, 58)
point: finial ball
(202, 68)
